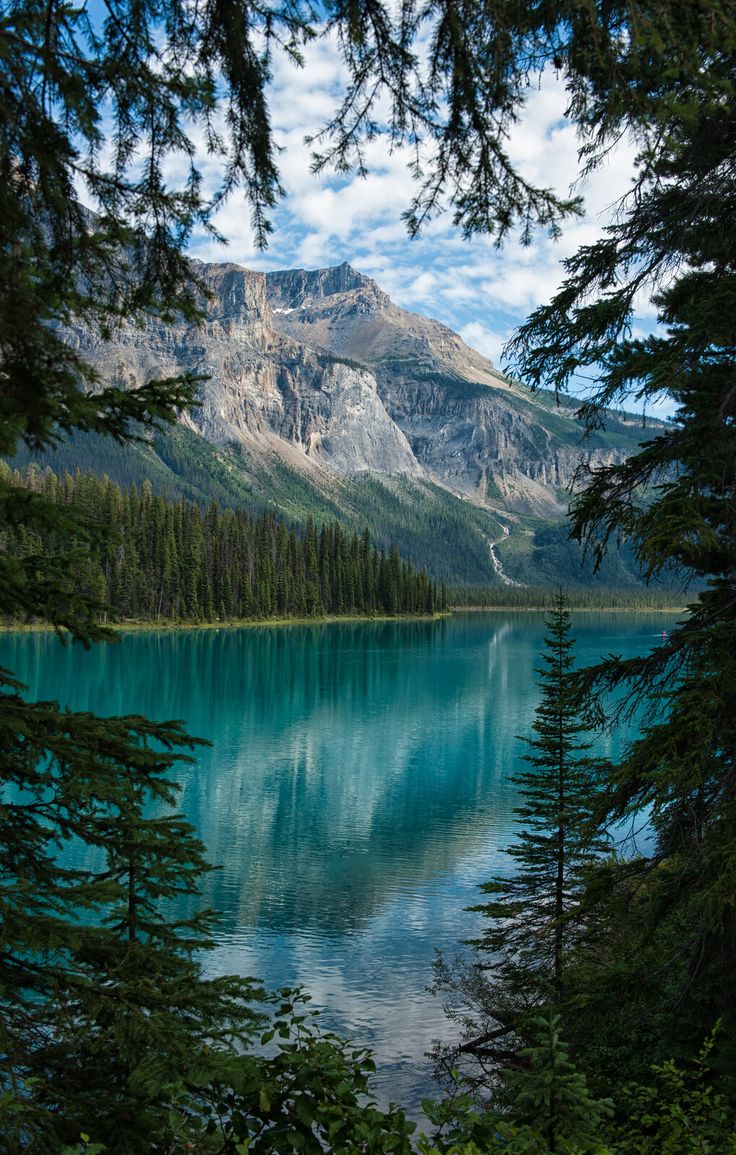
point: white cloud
(481, 292)
(485, 340)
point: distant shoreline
(236, 624)
(334, 619)
(501, 609)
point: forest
(535, 597)
(141, 557)
(599, 1014)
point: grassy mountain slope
(437, 530)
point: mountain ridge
(317, 376)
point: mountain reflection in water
(355, 794)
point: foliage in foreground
(311, 1095)
(551, 1110)
(659, 70)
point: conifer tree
(551, 1109)
(534, 913)
(531, 910)
(129, 1023)
(76, 780)
(673, 501)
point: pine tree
(131, 1024)
(535, 913)
(532, 910)
(75, 779)
(673, 501)
(551, 1109)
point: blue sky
(476, 289)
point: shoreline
(333, 619)
(135, 626)
(573, 609)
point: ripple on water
(356, 793)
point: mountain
(469, 427)
(321, 396)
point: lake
(355, 794)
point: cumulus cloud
(480, 291)
(485, 340)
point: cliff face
(468, 426)
(262, 389)
(324, 370)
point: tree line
(110, 1035)
(151, 559)
(535, 597)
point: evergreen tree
(535, 912)
(551, 1110)
(673, 501)
(65, 778)
(532, 910)
(131, 1027)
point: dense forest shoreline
(138, 557)
(587, 607)
(144, 626)
(541, 598)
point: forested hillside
(111, 1037)
(151, 559)
(436, 529)
(439, 531)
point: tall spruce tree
(661, 70)
(534, 913)
(672, 938)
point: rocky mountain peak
(321, 369)
(291, 289)
(345, 313)
(235, 293)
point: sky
(481, 292)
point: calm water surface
(356, 791)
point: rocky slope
(262, 388)
(324, 370)
(317, 377)
(469, 427)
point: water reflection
(355, 793)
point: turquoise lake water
(355, 794)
